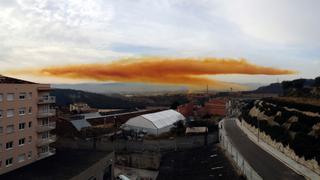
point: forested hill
(64, 97)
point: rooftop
(64, 165)
(159, 119)
(9, 80)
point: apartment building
(26, 119)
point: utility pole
(258, 129)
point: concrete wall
(309, 168)
(139, 160)
(98, 169)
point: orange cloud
(184, 71)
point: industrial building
(155, 123)
(26, 120)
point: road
(264, 164)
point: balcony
(47, 100)
(52, 151)
(49, 113)
(46, 127)
(50, 139)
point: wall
(309, 168)
(186, 109)
(97, 170)
(240, 162)
(15, 120)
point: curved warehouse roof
(156, 120)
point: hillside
(294, 88)
(290, 123)
(64, 97)
(122, 88)
(274, 88)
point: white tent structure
(155, 123)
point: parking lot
(197, 163)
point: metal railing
(47, 100)
(46, 127)
(48, 140)
(50, 112)
(52, 151)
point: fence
(179, 143)
(239, 160)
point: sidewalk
(298, 168)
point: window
(10, 97)
(30, 110)
(22, 111)
(30, 124)
(21, 141)
(22, 126)
(10, 112)
(0, 149)
(30, 139)
(30, 95)
(29, 154)
(21, 157)
(45, 135)
(1, 113)
(9, 162)
(10, 128)
(1, 130)
(9, 145)
(1, 97)
(22, 96)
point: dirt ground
(198, 163)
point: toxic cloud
(182, 71)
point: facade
(155, 123)
(186, 109)
(26, 111)
(216, 107)
(79, 107)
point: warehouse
(155, 123)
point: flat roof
(196, 130)
(10, 80)
(64, 165)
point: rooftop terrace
(64, 165)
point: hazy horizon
(43, 35)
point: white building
(155, 123)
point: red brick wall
(216, 107)
(186, 109)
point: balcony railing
(52, 151)
(47, 100)
(50, 112)
(46, 127)
(50, 139)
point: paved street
(266, 165)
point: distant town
(48, 133)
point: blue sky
(276, 33)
